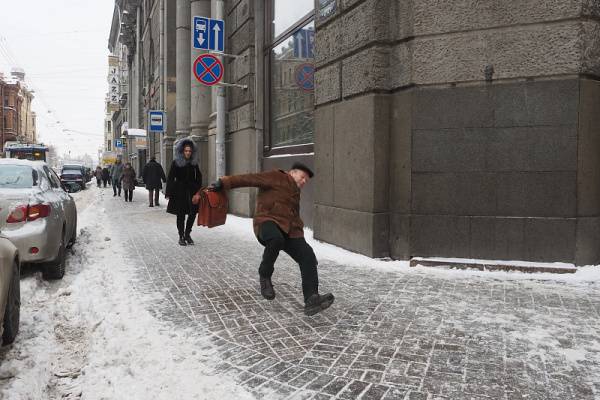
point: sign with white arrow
(209, 34)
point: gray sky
(62, 46)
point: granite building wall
(459, 130)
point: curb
(492, 267)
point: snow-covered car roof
(16, 161)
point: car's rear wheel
(12, 313)
(56, 268)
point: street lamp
(125, 146)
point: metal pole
(183, 66)
(163, 97)
(220, 147)
(220, 154)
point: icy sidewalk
(394, 332)
(90, 335)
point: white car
(36, 214)
(10, 290)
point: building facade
(18, 120)
(436, 129)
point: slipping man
(278, 226)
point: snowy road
(138, 317)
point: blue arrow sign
(201, 33)
(209, 34)
(304, 42)
(217, 35)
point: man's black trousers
(275, 240)
(153, 195)
(181, 223)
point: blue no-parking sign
(208, 69)
(305, 77)
(209, 34)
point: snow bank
(333, 254)
(90, 335)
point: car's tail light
(18, 214)
(38, 211)
(28, 213)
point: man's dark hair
(302, 167)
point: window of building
(290, 75)
(108, 145)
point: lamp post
(125, 146)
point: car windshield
(71, 172)
(17, 176)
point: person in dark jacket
(128, 181)
(278, 226)
(183, 182)
(98, 175)
(105, 176)
(153, 175)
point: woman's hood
(179, 145)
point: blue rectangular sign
(209, 34)
(156, 121)
(217, 35)
(304, 43)
(118, 143)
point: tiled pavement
(389, 335)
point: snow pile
(333, 254)
(89, 336)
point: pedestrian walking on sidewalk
(98, 175)
(153, 175)
(117, 171)
(105, 176)
(183, 182)
(278, 226)
(128, 181)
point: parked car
(76, 167)
(36, 214)
(72, 176)
(10, 290)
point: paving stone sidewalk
(389, 335)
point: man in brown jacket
(278, 226)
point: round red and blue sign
(305, 77)
(208, 69)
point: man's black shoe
(317, 302)
(182, 241)
(266, 288)
(188, 239)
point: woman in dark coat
(128, 181)
(183, 182)
(105, 176)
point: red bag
(212, 207)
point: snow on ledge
(556, 265)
